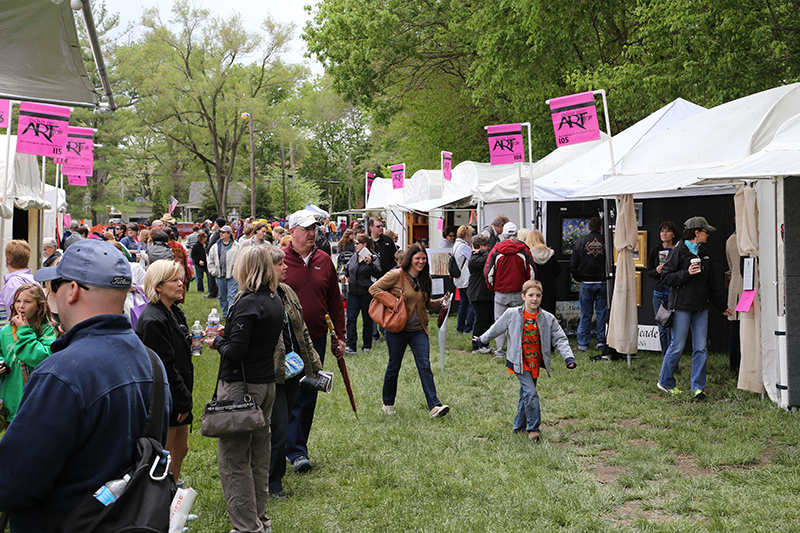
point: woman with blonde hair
(247, 346)
(346, 243)
(162, 328)
(547, 268)
(462, 251)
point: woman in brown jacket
(412, 278)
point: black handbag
(664, 317)
(231, 418)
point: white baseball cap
(302, 218)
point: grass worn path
(616, 455)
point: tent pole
(521, 201)
(530, 176)
(9, 163)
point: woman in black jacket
(480, 295)
(247, 345)
(689, 273)
(360, 269)
(668, 236)
(199, 259)
(162, 328)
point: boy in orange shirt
(533, 333)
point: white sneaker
(439, 411)
(389, 409)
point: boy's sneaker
(389, 409)
(582, 348)
(350, 351)
(534, 436)
(699, 395)
(365, 350)
(301, 464)
(485, 349)
(439, 411)
(674, 391)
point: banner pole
(9, 165)
(534, 211)
(602, 92)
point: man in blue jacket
(86, 405)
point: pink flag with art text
(78, 180)
(398, 175)
(370, 179)
(575, 119)
(447, 165)
(42, 129)
(79, 153)
(5, 113)
(505, 144)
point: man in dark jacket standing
(508, 267)
(385, 248)
(213, 291)
(480, 295)
(494, 231)
(311, 274)
(588, 266)
(85, 406)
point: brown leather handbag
(390, 311)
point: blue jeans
(664, 334)
(199, 272)
(303, 412)
(421, 348)
(682, 322)
(592, 298)
(359, 303)
(466, 317)
(227, 289)
(528, 414)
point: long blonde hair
(535, 240)
(42, 315)
(254, 268)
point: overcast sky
(253, 13)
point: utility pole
(291, 162)
(283, 173)
(349, 184)
(252, 167)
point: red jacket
(509, 266)
(317, 287)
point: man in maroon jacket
(312, 275)
(508, 267)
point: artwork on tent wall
(572, 229)
(639, 288)
(639, 251)
(638, 211)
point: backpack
(455, 270)
(138, 308)
(143, 505)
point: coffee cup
(696, 261)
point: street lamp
(247, 115)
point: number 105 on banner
(575, 119)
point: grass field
(616, 454)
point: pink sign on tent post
(440, 223)
(67, 219)
(398, 175)
(447, 165)
(78, 157)
(505, 144)
(370, 179)
(5, 113)
(42, 129)
(78, 180)
(575, 119)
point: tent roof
(423, 185)
(42, 55)
(426, 206)
(382, 195)
(588, 169)
(654, 185)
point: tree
(190, 85)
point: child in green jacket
(24, 343)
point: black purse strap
(219, 374)
(151, 429)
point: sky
(253, 13)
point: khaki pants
(244, 462)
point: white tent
(588, 169)
(24, 185)
(755, 136)
(423, 185)
(382, 195)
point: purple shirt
(12, 282)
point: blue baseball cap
(91, 262)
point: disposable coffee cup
(323, 381)
(695, 261)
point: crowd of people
(278, 287)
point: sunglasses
(56, 283)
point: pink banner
(398, 175)
(746, 301)
(79, 152)
(77, 180)
(42, 129)
(575, 119)
(447, 165)
(440, 223)
(505, 144)
(370, 179)
(67, 219)
(5, 113)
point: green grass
(615, 454)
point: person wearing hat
(85, 406)
(50, 251)
(311, 274)
(508, 267)
(588, 266)
(221, 257)
(74, 236)
(212, 240)
(693, 284)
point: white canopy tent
(740, 140)
(423, 185)
(383, 200)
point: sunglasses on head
(56, 283)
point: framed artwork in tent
(572, 229)
(639, 252)
(639, 288)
